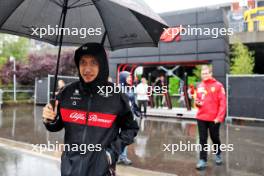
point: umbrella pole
(103, 39)
(64, 12)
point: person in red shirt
(211, 103)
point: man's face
(143, 80)
(129, 80)
(89, 68)
(206, 74)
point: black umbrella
(115, 23)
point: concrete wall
(248, 37)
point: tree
(6, 73)
(242, 61)
(197, 72)
(38, 66)
(15, 46)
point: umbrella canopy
(115, 23)
(126, 23)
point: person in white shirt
(142, 95)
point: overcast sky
(172, 5)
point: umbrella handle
(52, 102)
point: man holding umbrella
(87, 117)
(91, 118)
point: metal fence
(25, 93)
(245, 96)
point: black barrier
(41, 87)
(44, 85)
(66, 79)
(246, 96)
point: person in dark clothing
(92, 118)
(160, 82)
(125, 82)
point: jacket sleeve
(128, 129)
(57, 124)
(222, 104)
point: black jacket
(130, 92)
(103, 122)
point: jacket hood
(97, 50)
(122, 77)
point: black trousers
(159, 101)
(214, 130)
(143, 103)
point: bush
(38, 66)
(242, 61)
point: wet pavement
(24, 124)
(15, 163)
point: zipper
(87, 119)
(86, 126)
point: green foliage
(197, 72)
(175, 102)
(192, 80)
(139, 77)
(10, 45)
(242, 61)
(24, 96)
(3, 60)
(174, 85)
